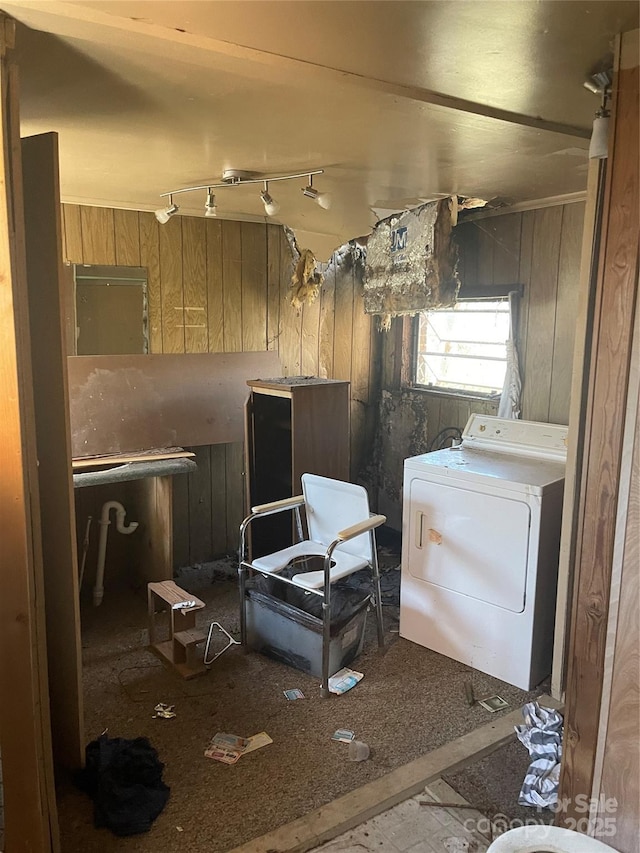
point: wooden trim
(609, 366)
(584, 329)
(25, 734)
(51, 399)
(533, 204)
(617, 761)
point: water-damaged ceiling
(399, 102)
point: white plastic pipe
(121, 527)
(546, 839)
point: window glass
(463, 348)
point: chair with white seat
(340, 530)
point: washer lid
(506, 470)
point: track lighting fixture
(237, 177)
(600, 84)
(164, 214)
(271, 207)
(210, 208)
(322, 199)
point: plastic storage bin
(288, 634)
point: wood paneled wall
(222, 286)
(539, 249)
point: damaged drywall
(412, 262)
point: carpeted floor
(492, 785)
(410, 701)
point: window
(463, 348)
(111, 310)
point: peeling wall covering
(412, 262)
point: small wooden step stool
(180, 650)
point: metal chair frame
(245, 566)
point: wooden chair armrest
(278, 506)
(361, 527)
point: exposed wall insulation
(412, 262)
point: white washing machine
(480, 546)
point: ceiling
(399, 102)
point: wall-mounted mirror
(111, 310)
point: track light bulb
(598, 146)
(164, 214)
(210, 208)
(322, 199)
(271, 207)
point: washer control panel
(527, 438)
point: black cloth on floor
(124, 779)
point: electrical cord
(452, 434)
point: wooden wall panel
(343, 324)
(566, 313)
(327, 323)
(290, 317)
(241, 274)
(219, 542)
(506, 232)
(172, 286)
(232, 287)
(72, 234)
(620, 742)
(127, 237)
(525, 262)
(254, 286)
(360, 378)
(98, 240)
(200, 517)
(541, 330)
(273, 286)
(215, 293)
(194, 283)
(150, 258)
(310, 339)
(540, 250)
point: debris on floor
(468, 690)
(344, 680)
(456, 844)
(228, 749)
(257, 742)
(163, 711)
(293, 694)
(358, 750)
(493, 703)
(343, 735)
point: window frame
(495, 294)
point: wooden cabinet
(295, 425)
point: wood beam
(603, 449)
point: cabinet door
(469, 542)
(270, 470)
